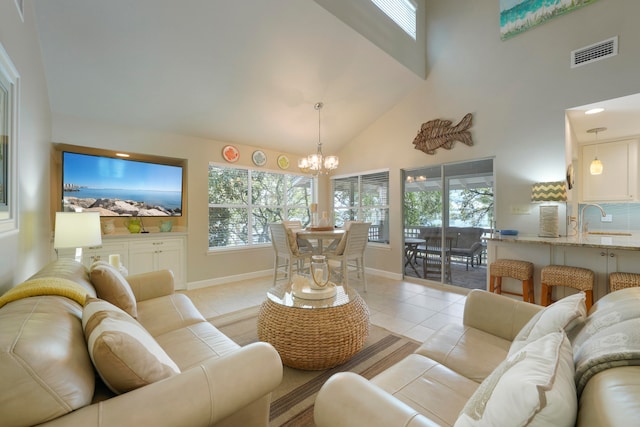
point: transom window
(242, 203)
(363, 198)
(402, 12)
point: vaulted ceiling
(238, 71)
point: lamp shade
(77, 230)
(555, 191)
(595, 168)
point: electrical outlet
(520, 210)
(607, 218)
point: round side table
(314, 334)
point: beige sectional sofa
(170, 367)
(510, 363)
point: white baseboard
(228, 279)
(264, 273)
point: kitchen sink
(609, 233)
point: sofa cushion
(168, 313)
(468, 351)
(191, 345)
(533, 387)
(125, 355)
(428, 387)
(45, 370)
(111, 286)
(568, 313)
(71, 269)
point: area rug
(292, 402)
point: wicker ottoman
(314, 335)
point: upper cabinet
(619, 178)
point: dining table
(317, 238)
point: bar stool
(619, 281)
(515, 269)
(572, 277)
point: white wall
(202, 267)
(517, 91)
(25, 251)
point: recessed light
(594, 111)
(122, 155)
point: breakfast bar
(597, 251)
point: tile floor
(411, 308)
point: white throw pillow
(533, 387)
(567, 314)
(125, 355)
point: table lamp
(555, 191)
(77, 230)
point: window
(242, 203)
(363, 198)
(9, 110)
(402, 12)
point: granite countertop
(630, 241)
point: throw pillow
(293, 240)
(111, 286)
(533, 387)
(568, 313)
(125, 355)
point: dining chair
(286, 251)
(350, 251)
(303, 245)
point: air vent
(595, 52)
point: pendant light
(595, 168)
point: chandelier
(317, 163)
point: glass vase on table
(319, 272)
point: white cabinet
(158, 254)
(619, 178)
(102, 252)
(140, 253)
(602, 261)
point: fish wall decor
(439, 133)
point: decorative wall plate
(259, 158)
(283, 161)
(230, 153)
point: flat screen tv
(120, 187)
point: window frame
(359, 207)
(9, 143)
(250, 205)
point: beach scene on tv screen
(119, 187)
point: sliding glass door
(447, 210)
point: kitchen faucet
(581, 225)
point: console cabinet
(157, 254)
(141, 253)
